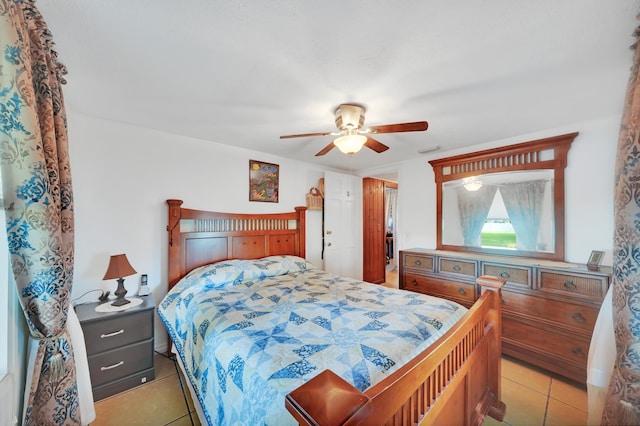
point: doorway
(380, 227)
(390, 215)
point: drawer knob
(417, 262)
(115, 333)
(577, 317)
(504, 274)
(578, 352)
(414, 281)
(461, 290)
(569, 285)
(112, 366)
(457, 267)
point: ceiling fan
(349, 121)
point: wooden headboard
(198, 237)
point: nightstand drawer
(118, 331)
(115, 364)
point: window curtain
(623, 399)
(36, 180)
(473, 207)
(523, 202)
(390, 202)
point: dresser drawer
(517, 276)
(468, 268)
(566, 347)
(118, 363)
(562, 314)
(418, 261)
(109, 333)
(590, 287)
(459, 292)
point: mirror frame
(511, 158)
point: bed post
(302, 229)
(173, 227)
(498, 409)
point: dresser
(120, 346)
(549, 309)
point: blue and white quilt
(250, 331)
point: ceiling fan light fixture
(350, 144)
(472, 183)
(349, 117)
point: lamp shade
(119, 267)
(350, 144)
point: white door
(343, 224)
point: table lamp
(119, 267)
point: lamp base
(120, 302)
(120, 292)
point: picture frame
(595, 259)
(263, 181)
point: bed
(264, 337)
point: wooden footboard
(454, 381)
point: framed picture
(595, 259)
(263, 181)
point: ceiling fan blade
(375, 145)
(325, 149)
(417, 126)
(305, 135)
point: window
(498, 230)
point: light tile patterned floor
(537, 397)
(533, 397)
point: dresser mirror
(507, 201)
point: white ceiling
(243, 72)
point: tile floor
(533, 397)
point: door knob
(328, 244)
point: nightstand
(119, 346)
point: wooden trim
(522, 156)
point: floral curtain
(623, 400)
(474, 207)
(523, 202)
(36, 179)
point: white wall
(589, 184)
(122, 176)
